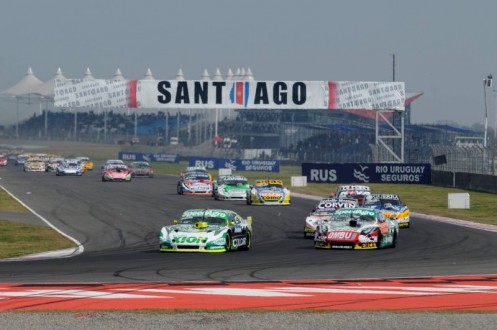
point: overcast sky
(442, 48)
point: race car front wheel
(227, 244)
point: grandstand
(320, 136)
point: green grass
(20, 239)
(17, 239)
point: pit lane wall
(367, 173)
(467, 181)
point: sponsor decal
(341, 236)
(237, 242)
(342, 247)
(367, 246)
(189, 240)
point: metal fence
(473, 159)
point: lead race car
(206, 230)
(324, 211)
(356, 228)
(230, 187)
(391, 206)
(268, 192)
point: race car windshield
(215, 221)
(197, 176)
(236, 183)
(373, 202)
(345, 219)
(391, 201)
(324, 212)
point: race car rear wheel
(394, 240)
(180, 190)
(249, 200)
(227, 244)
(380, 241)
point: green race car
(231, 187)
(206, 230)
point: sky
(443, 49)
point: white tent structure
(23, 91)
(45, 91)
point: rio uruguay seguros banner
(174, 94)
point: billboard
(367, 173)
(191, 94)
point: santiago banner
(173, 94)
(367, 173)
(255, 165)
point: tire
(249, 200)
(394, 241)
(227, 244)
(180, 191)
(380, 239)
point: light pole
(486, 83)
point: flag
(239, 93)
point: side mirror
(175, 221)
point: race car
(391, 206)
(110, 162)
(196, 169)
(116, 172)
(21, 159)
(53, 163)
(34, 164)
(195, 183)
(206, 230)
(141, 169)
(356, 228)
(69, 167)
(230, 187)
(324, 210)
(357, 192)
(268, 192)
(3, 160)
(86, 163)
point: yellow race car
(86, 163)
(268, 192)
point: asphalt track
(119, 223)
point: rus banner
(164, 94)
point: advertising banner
(191, 94)
(367, 173)
(255, 165)
(149, 157)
